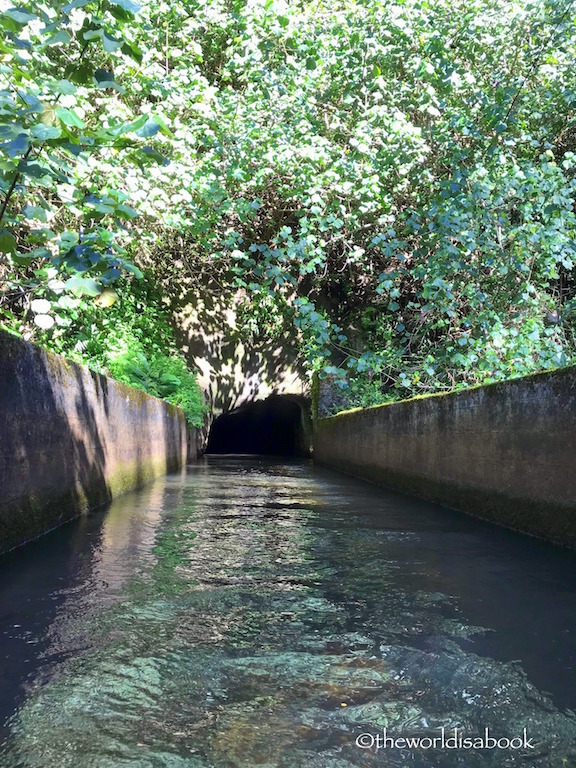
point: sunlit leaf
(149, 129)
(74, 4)
(44, 132)
(44, 321)
(111, 43)
(21, 15)
(83, 286)
(60, 38)
(40, 306)
(69, 117)
(64, 87)
(127, 5)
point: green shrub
(163, 376)
(132, 341)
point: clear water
(258, 613)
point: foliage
(164, 376)
(395, 179)
(131, 340)
(67, 136)
(64, 221)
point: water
(258, 613)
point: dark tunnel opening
(276, 426)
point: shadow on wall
(43, 448)
(277, 426)
(71, 439)
(233, 369)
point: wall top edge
(14, 346)
(492, 388)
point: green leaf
(33, 102)
(103, 208)
(126, 5)
(132, 50)
(34, 212)
(65, 87)
(34, 170)
(11, 25)
(17, 146)
(75, 4)
(11, 130)
(60, 38)
(7, 242)
(135, 124)
(103, 76)
(111, 44)
(91, 32)
(21, 15)
(163, 127)
(152, 154)
(120, 14)
(69, 117)
(42, 253)
(83, 286)
(133, 269)
(82, 74)
(149, 129)
(126, 212)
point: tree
(394, 179)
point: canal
(264, 613)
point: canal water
(257, 613)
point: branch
(14, 182)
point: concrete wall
(71, 439)
(234, 367)
(504, 452)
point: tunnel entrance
(276, 426)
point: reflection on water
(253, 613)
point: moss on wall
(505, 452)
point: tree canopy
(395, 180)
